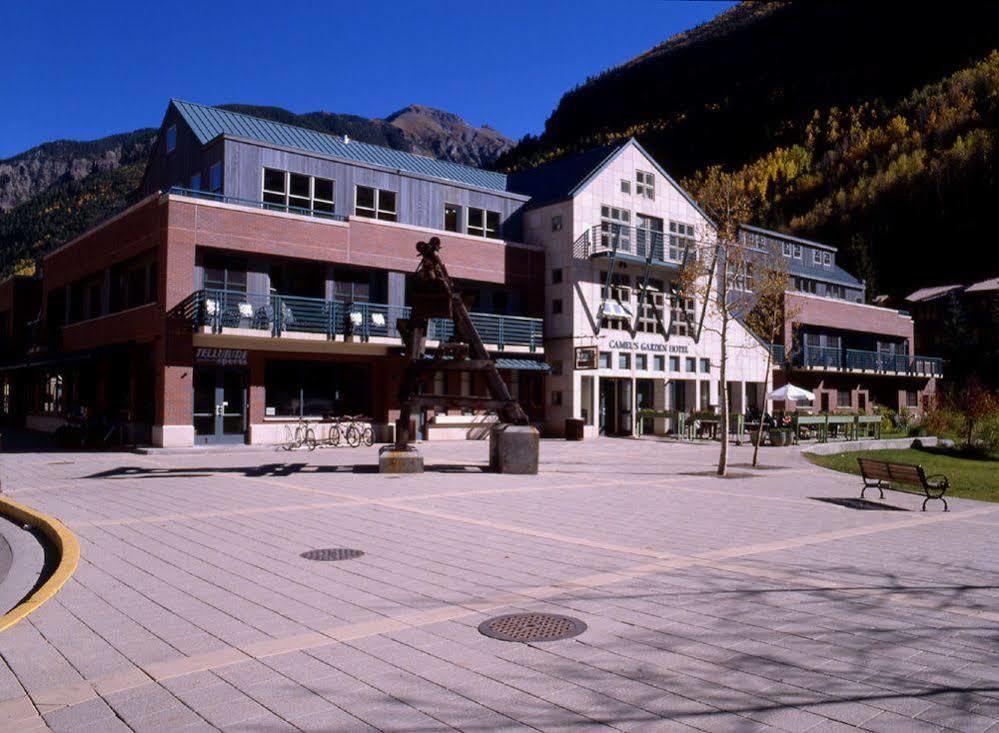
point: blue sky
(84, 70)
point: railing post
(500, 335)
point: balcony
(209, 196)
(630, 244)
(225, 311)
(826, 358)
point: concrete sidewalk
(742, 604)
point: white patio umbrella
(793, 393)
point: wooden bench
(881, 475)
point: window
(691, 365)
(171, 138)
(615, 228)
(283, 189)
(133, 283)
(681, 239)
(215, 178)
(294, 388)
(816, 257)
(681, 314)
(556, 398)
(626, 186)
(674, 363)
(624, 361)
(375, 203)
(649, 236)
(844, 398)
(645, 184)
(557, 223)
(352, 286)
(483, 223)
(616, 300)
(556, 306)
(650, 306)
(786, 248)
(196, 182)
(911, 398)
(659, 363)
(452, 218)
(605, 359)
(556, 276)
(641, 362)
(796, 250)
(804, 285)
(705, 366)
(827, 259)
(836, 291)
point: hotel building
(259, 276)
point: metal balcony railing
(210, 196)
(831, 357)
(287, 314)
(634, 241)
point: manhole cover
(529, 627)
(332, 553)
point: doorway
(615, 406)
(219, 405)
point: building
(853, 356)
(959, 322)
(258, 279)
(619, 335)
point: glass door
(625, 402)
(219, 405)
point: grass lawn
(971, 478)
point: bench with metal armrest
(881, 475)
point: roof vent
(346, 139)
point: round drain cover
(332, 553)
(528, 627)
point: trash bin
(573, 428)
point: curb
(827, 449)
(66, 545)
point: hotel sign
(586, 357)
(219, 357)
(648, 346)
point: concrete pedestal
(514, 449)
(391, 460)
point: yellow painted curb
(66, 545)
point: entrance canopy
(793, 393)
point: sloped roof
(208, 123)
(555, 180)
(561, 179)
(931, 293)
(835, 274)
(984, 286)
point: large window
(681, 314)
(316, 389)
(483, 223)
(215, 178)
(650, 307)
(375, 203)
(681, 239)
(615, 228)
(171, 138)
(224, 273)
(283, 189)
(133, 283)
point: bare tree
(718, 277)
(769, 280)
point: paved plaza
(744, 604)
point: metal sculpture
(434, 295)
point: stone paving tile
(712, 605)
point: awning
(522, 364)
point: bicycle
(301, 435)
(358, 432)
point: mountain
(57, 190)
(871, 126)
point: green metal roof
(208, 123)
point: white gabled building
(612, 221)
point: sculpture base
(514, 449)
(393, 460)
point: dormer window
(171, 138)
(816, 257)
(827, 259)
